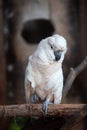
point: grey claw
(35, 98)
(45, 106)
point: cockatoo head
(54, 47)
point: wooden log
(36, 110)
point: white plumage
(44, 75)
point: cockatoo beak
(57, 55)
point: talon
(45, 106)
(35, 98)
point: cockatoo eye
(51, 47)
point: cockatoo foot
(45, 106)
(35, 98)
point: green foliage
(17, 123)
(14, 126)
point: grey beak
(57, 55)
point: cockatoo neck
(41, 55)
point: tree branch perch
(36, 110)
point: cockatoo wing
(28, 86)
(29, 83)
(28, 91)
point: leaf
(14, 126)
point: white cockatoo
(44, 75)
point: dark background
(23, 24)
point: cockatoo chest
(48, 80)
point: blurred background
(23, 23)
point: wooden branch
(36, 110)
(72, 75)
(75, 119)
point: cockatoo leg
(35, 98)
(45, 105)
